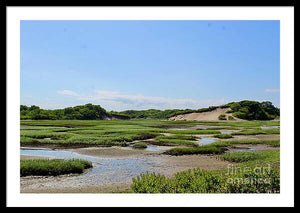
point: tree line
(248, 110)
(253, 110)
(82, 112)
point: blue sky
(149, 64)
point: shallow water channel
(243, 150)
(105, 170)
(149, 148)
(269, 127)
(206, 141)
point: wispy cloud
(113, 100)
(68, 92)
(272, 90)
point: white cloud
(68, 92)
(113, 100)
(272, 90)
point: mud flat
(29, 157)
(256, 137)
(251, 147)
(114, 168)
(119, 152)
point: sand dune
(203, 116)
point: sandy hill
(203, 116)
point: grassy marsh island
(53, 167)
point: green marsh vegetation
(106, 133)
(140, 145)
(223, 128)
(84, 125)
(159, 124)
(122, 132)
(53, 167)
(255, 173)
(239, 157)
(207, 149)
(172, 142)
(257, 132)
(177, 136)
(176, 139)
(218, 147)
(228, 143)
(103, 133)
(223, 136)
(197, 131)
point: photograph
(135, 106)
(150, 106)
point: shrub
(231, 118)
(222, 117)
(253, 110)
(202, 181)
(151, 183)
(254, 182)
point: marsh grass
(172, 142)
(118, 135)
(223, 136)
(40, 134)
(122, 132)
(218, 147)
(207, 149)
(176, 139)
(24, 139)
(52, 167)
(257, 132)
(274, 143)
(177, 136)
(238, 157)
(140, 145)
(200, 132)
(223, 128)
